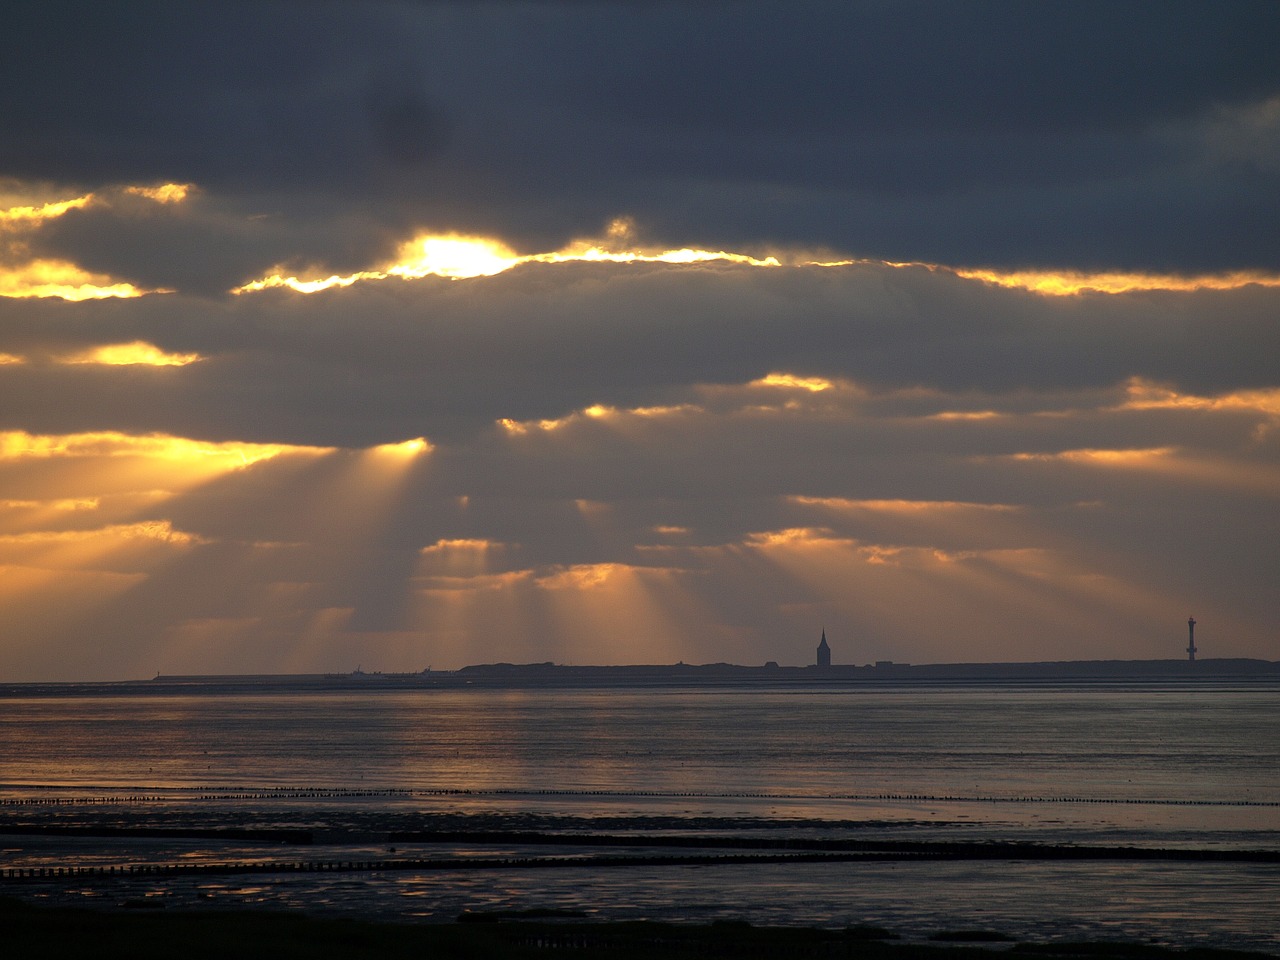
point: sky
(341, 335)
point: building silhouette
(824, 651)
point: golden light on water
(129, 354)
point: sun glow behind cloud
(1069, 283)
(96, 519)
(64, 280)
(790, 381)
(1060, 283)
(24, 275)
(863, 556)
(161, 530)
(163, 192)
(42, 211)
(137, 353)
(599, 413)
(460, 257)
(18, 444)
(1144, 395)
(405, 448)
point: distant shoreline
(534, 675)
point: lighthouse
(1191, 639)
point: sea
(1135, 811)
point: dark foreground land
(54, 933)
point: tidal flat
(55, 933)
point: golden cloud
(791, 382)
(460, 257)
(1065, 283)
(138, 352)
(62, 279)
(22, 275)
(18, 444)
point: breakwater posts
(902, 852)
(206, 794)
(175, 870)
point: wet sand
(141, 934)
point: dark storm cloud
(1072, 134)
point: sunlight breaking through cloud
(18, 444)
(460, 257)
(25, 213)
(138, 353)
(1144, 395)
(1117, 458)
(1061, 283)
(64, 280)
(163, 192)
(24, 275)
(161, 530)
(1067, 283)
(791, 381)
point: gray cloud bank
(380, 361)
(1081, 468)
(992, 133)
(989, 473)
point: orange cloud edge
(461, 256)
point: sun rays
(473, 474)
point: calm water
(1192, 766)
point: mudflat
(55, 933)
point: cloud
(974, 133)
(401, 334)
(378, 363)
